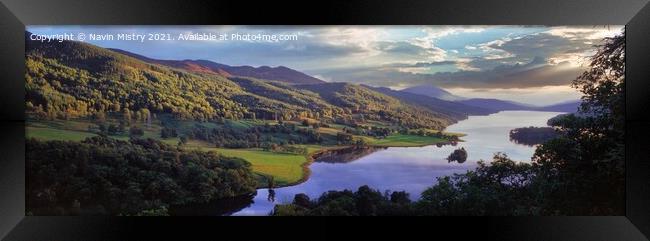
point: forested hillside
(71, 79)
(377, 106)
(140, 177)
(280, 73)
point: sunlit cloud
(463, 64)
(585, 33)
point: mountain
(500, 105)
(483, 105)
(189, 65)
(374, 105)
(570, 107)
(280, 73)
(432, 91)
(72, 79)
(453, 109)
(496, 104)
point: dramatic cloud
(553, 57)
(536, 73)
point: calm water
(410, 169)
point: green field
(49, 134)
(286, 168)
(399, 140)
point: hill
(484, 105)
(570, 106)
(280, 73)
(359, 99)
(73, 79)
(432, 91)
(496, 104)
(452, 109)
(501, 105)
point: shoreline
(311, 157)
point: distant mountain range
(433, 91)
(280, 73)
(494, 105)
(569, 106)
(500, 105)
(438, 99)
(433, 97)
(451, 108)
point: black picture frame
(16, 14)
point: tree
(586, 164)
(302, 200)
(459, 155)
(145, 115)
(136, 132)
(499, 188)
(100, 116)
(167, 132)
(360, 142)
(116, 106)
(270, 182)
(106, 176)
(127, 116)
(113, 129)
(182, 141)
(344, 138)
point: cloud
(404, 50)
(535, 73)
(584, 33)
(432, 33)
(493, 50)
(557, 45)
(548, 58)
(464, 64)
(423, 64)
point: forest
(101, 176)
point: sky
(529, 64)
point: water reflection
(410, 169)
(345, 155)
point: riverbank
(260, 163)
(289, 169)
